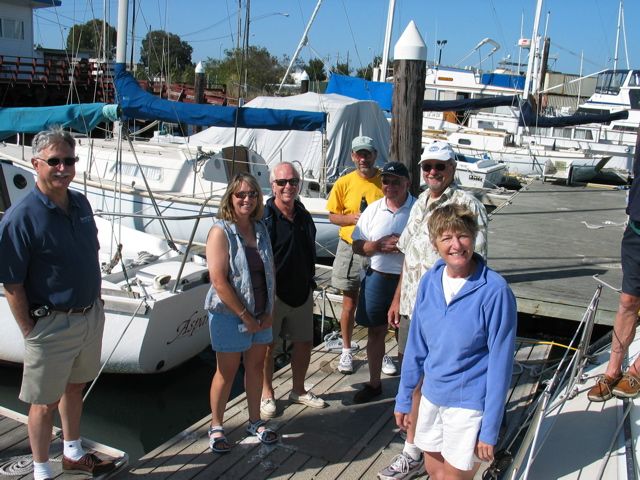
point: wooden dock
(551, 239)
(548, 241)
(342, 441)
(15, 453)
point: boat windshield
(609, 82)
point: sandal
(218, 444)
(266, 435)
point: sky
(582, 32)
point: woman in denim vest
(240, 304)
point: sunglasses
(391, 181)
(243, 195)
(55, 161)
(281, 182)
(427, 167)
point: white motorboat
(479, 172)
(154, 296)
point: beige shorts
(347, 267)
(451, 431)
(294, 322)
(62, 348)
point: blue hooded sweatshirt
(464, 349)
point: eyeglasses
(391, 181)
(281, 182)
(243, 195)
(427, 167)
(55, 161)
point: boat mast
(615, 56)
(123, 20)
(382, 74)
(303, 42)
(533, 52)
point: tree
(163, 53)
(262, 70)
(315, 70)
(341, 69)
(88, 37)
(367, 72)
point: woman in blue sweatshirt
(461, 340)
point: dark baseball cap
(395, 168)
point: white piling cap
(199, 68)
(410, 45)
(304, 76)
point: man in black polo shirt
(293, 236)
(51, 274)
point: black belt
(386, 275)
(45, 311)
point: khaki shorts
(347, 267)
(294, 322)
(403, 333)
(61, 349)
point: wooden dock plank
(342, 441)
(549, 241)
(14, 448)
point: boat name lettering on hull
(190, 325)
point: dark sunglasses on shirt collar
(55, 161)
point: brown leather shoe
(88, 463)
(602, 390)
(628, 387)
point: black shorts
(630, 259)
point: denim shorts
(225, 336)
(376, 293)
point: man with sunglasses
(293, 236)
(438, 167)
(349, 196)
(51, 274)
(376, 236)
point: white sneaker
(333, 343)
(402, 467)
(388, 367)
(308, 399)
(346, 363)
(268, 407)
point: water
(136, 413)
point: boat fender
(160, 282)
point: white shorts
(451, 431)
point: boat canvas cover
(504, 80)
(382, 93)
(529, 118)
(362, 89)
(80, 117)
(136, 103)
(346, 119)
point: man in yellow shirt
(349, 197)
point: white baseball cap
(437, 150)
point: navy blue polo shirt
(294, 252)
(54, 255)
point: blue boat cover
(529, 118)
(504, 80)
(361, 89)
(82, 118)
(382, 92)
(136, 103)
